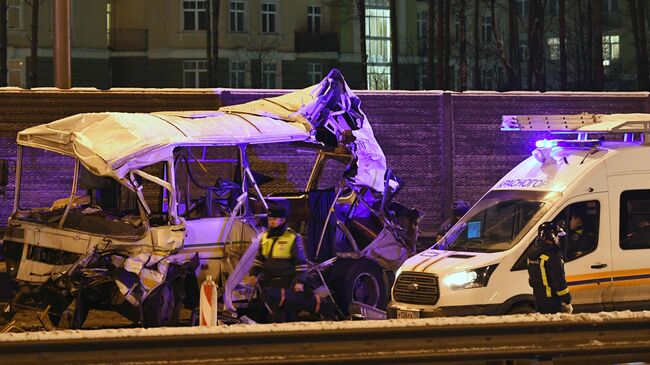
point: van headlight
(475, 278)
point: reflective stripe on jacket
(281, 256)
(546, 274)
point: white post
(208, 303)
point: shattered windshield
(495, 223)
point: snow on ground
(318, 326)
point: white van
(599, 188)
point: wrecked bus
(159, 201)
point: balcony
(127, 40)
(315, 42)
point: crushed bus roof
(118, 142)
(112, 144)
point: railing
(315, 42)
(127, 40)
(575, 339)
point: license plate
(407, 314)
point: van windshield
(497, 221)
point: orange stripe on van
(630, 272)
(433, 262)
(590, 286)
(632, 282)
(415, 268)
(600, 275)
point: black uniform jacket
(546, 272)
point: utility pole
(3, 43)
(61, 50)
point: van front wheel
(522, 308)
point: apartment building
(292, 43)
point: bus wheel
(362, 282)
(162, 307)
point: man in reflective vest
(546, 271)
(280, 265)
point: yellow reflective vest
(281, 256)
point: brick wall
(45, 173)
(410, 127)
(483, 154)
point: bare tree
(32, 80)
(412, 60)
(588, 55)
(257, 48)
(514, 73)
(3, 43)
(536, 74)
(212, 8)
(562, 36)
(599, 83)
(637, 14)
(477, 53)
(394, 60)
(447, 48)
(580, 42)
(508, 60)
(440, 44)
(430, 42)
(361, 13)
(462, 51)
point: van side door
(586, 251)
(631, 242)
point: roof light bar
(551, 143)
(578, 123)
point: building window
(635, 219)
(422, 76)
(108, 23)
(269, 12)
(194, 15)
(237, 74)
(422, 22)
(378, 44)
(610, 50)
(487, 75)
(554, 7)
(486, 29)
(523, 50)
(195, 73)
(422, 31)
(15, 72)
(236, 15)
(553, 48)
(313, 19)
(315, 72)
(522, 7)
(14, 14)
(269, 74)
(609, 6)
